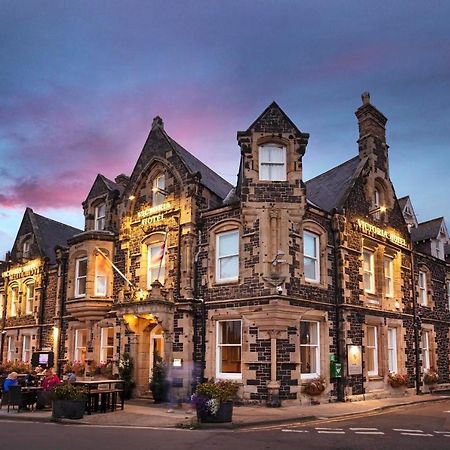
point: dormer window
(100, 215)
(159, 190)
(272, 162)
(26, 249)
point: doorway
(156, 347)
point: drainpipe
(338, 298)
(415, 322)
(5, 302)
(178, 281)
(62, 275)
(42, 303)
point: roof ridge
(431, 220)
(56, 221)
(333, 168)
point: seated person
(44, 398)
(27, 399)
(11, 380)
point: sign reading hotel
(31, 268)
(375, 231)
(153, 214)
(354, 359)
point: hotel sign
(31, 268)
(375, 231)
(154, 214)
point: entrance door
(156, 346)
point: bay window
(106, 344)
(311, 252)
(309, 349)
(80, 345)
(228, 349)
(272, 162)
(227, 256)
(80, 277)
(101, 275)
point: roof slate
(427, 230)
(327, 189)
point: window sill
(374, 377)
(225, 282)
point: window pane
(228, 267)
(308, 333)
(310, 268)
(277, 172)
(308, 359)
(310, 245)
(82, 267)
(230, 332)
(231, 360)
(228, 244)
(276, 154)
(371, 336)
(371, 360)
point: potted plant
(315, 386)
(430, 378)
(126, 366)
(397, 380)
(68, 401)
(213, 401)
(159, 384)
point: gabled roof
(48, 233)
(210, 179)
(103, 185)
(275, 116)
(403, 201)
(328, 189)
(427, 230)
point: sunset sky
(80, 82)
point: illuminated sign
(153, 214)
(31, 268)
(375, 231)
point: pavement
(143, 413)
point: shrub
(430, 377)
(68, 392)
(315, 386)
(397, 380)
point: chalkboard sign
(43, 359)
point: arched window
(100, 217)
(156, 259)
(29, 297)
(272, 162)
(159, 190)
(14, 301)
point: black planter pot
(224, 414)
(68, 409)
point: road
(414, 427)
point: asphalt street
(414, 427)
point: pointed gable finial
(365, 97)
(157, 123)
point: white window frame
(11, 349)
(153, 269)
(265, 161)
(100, 217)
(309, 375)
(448, 294)
(370, 271)
(388, 266)
(235, 277)
(219, 346)
(14, 301)
(2, 299)
(29, 300)
(423, 297)
(26, 350)
(375, 371)
(79, 294)
(104, 344)
(392, 350)
(426, 356)
(158, 189)
(98, 276)
(77, 356)
(315, 259)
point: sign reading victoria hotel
(375, 231)
(152, 214)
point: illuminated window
(29, 302)
(14, 301)
(156, 263)
(100, 216)
(392, 350)
(388, 276)
(107, 344)
(11, 351)
(372, 351)
(80, 346)
(311, 256)
(159, 190)
(423, 300)
(227, 256)
(272, 162)
(309, 349)
(26, 348)
(101, 275)
(80, 277)
(369, 272)
(426, 360)
(229, 343)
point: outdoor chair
(15, 397)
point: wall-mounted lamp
(132, 197)
(380, 209)
(160, 190)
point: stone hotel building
(273, 282)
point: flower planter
(223, 415)
(68, 409)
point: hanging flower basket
(397, 380)
(431, 377)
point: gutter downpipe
(338, 300)
(415, 323)
(62, 267)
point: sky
(80, 82)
